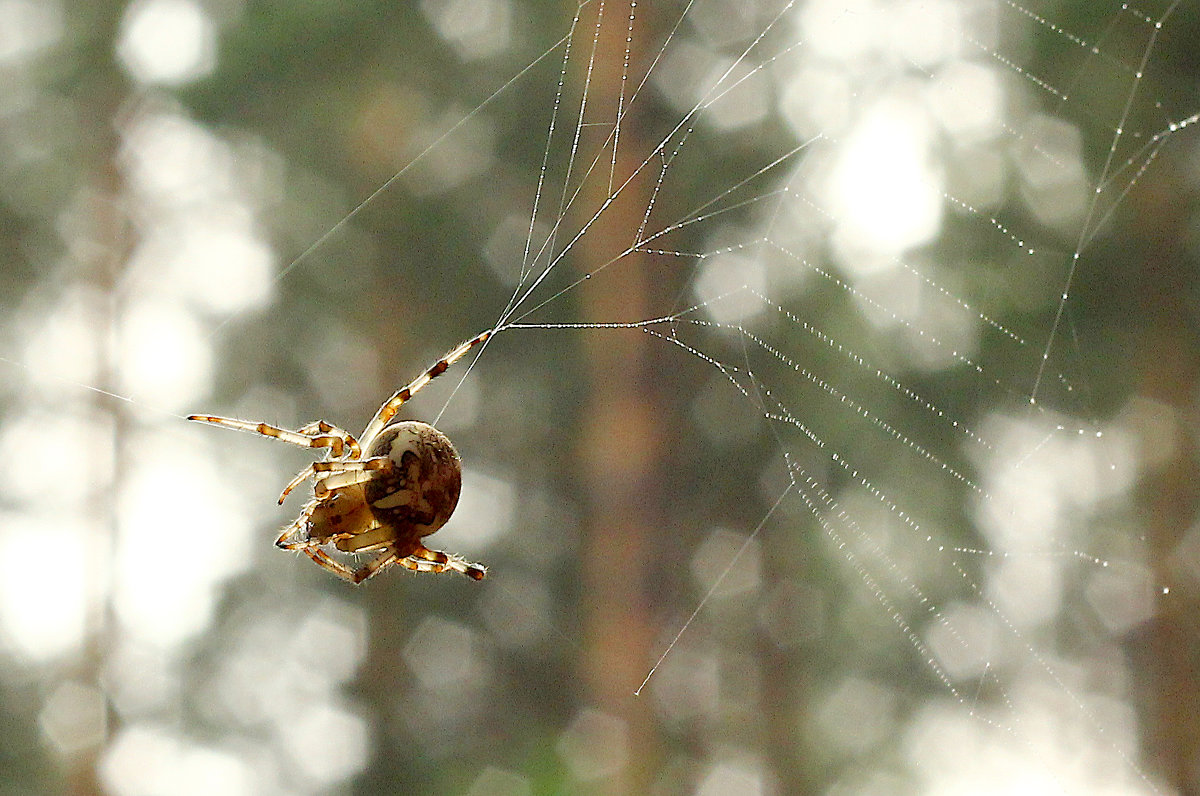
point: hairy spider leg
(378, 564)
(286, 540)
(385, 559)
(336, 567)
(335, 466)
(420, 560)
(425, 560)
(318, 434)
(408, 553)
(323, 427)
(401, 396)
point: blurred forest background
(177, 181)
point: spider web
(968, 625)
(852, 503)
(970, 607)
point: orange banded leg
(421, 561)
(319, 428)
(317, 434)
(392, 405)
(425, 560)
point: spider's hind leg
(425, 560)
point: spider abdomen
(423, 486)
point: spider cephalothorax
(405, 488)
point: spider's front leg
(392, 405)
(317, 434)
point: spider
(403, 489)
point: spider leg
(385, 559)
(452, 563)
(392, 405)
(371, 469)
(368, 541)
(300, 478)
(336, 466)
(288, 541)
(420, 565)
(422, 560)
(311, 548)
(318, 434)
(425, 560)
(377, 564)
(333, 565)
(320, 427)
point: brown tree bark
(1168, 369)
(622, 447)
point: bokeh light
(795, 423)
(167, 41)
